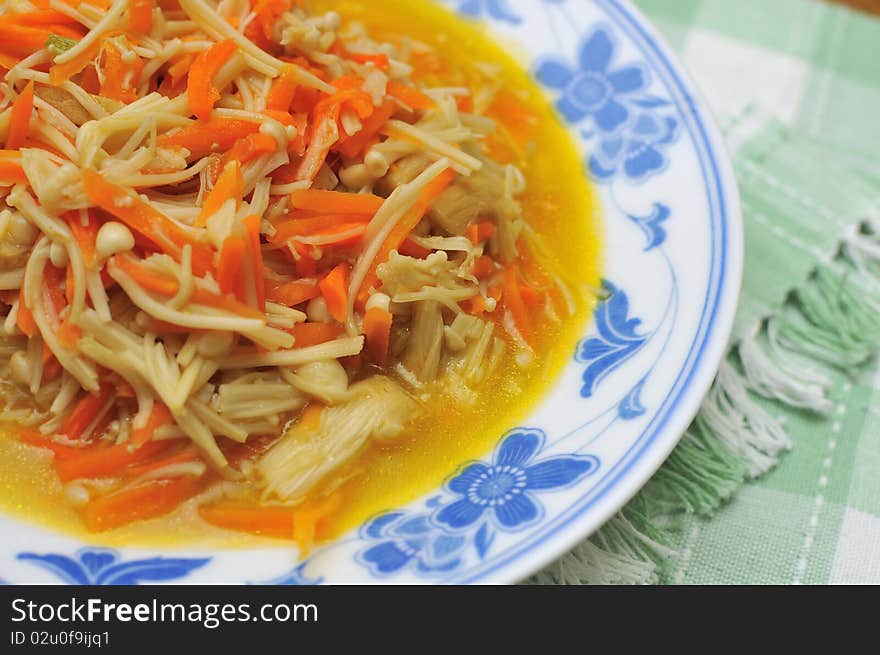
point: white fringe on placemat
(831, 321)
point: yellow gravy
(558, 204)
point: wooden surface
(868, 6)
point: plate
(673, 249)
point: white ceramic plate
(673, 269)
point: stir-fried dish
(243, 243)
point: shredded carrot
(248, 148)
(335, 202)
(311, 520)
(84, 413)
(406, 225)
(186, 454)
(140, 16)
(313, 334)
(11, 172)
(410, 248)
(256, 284)
(286, 230)
(358, 143)
(513, 301)
(145, 501)
(325, 134)
(200, 87)
(120, 75)
(229, 186)
(38, 17)
(229, 275)
(281, 94)
(25, 318)
(483, 266)
(85, 235)
(479, 232)
(68, 334)
(410, 96)
(205, 137)
(159, 416)
(60, 73)
(265, 521)
(61, 451)
(293, 293)
(107, 461)
(19, 122)
(377, 332)
(165, 285)
(345, 234)
(147, 221)
(334, 288)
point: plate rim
(551, 544)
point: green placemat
(796, 83)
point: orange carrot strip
(120, 76)
(62, 451)
(248, 148)
(185, 454)
(346, 234)
(33, 18)
(265, 521)
(229, 275)
(479, 232)
(229, 186)
(68, 334)
(286, 230)
(281, 94)
(410, 96)
(60, 73)
(377, 331)
(325, 134)
(200, 86)
(159, 416)
(406, 225)
(334, 288)
(255, 259)
(146, 501)
(313, 334)
(140, 16)
(107, 461)
(129, 208)
(85, 235)
(483, 266)
(19, 121)
(513, 301)
(25, 318)
(335, 202)
(168, 286)
(84, 413)
(11, 172)
(293, 293)
(205, 137)
(356, 144)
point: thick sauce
(558, 204)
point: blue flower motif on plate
(103, 566)
(504, 490)
(497, 9)
(616, 341)
(486, 498)
(630, 131)
(652, 225)
(406, 539)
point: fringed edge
(833, 319)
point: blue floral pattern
(486, 498)
(497, 9)
(103, 566)
(615, 107)
(616, 341)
